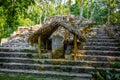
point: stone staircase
(101, 47)
(100, 52)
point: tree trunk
(91, 10)
(61, 8)
(46, 12)
(108, 18)
(75, 48)
(40, 4)
(69, 5)
(39, 46)
(40, 18)
(46, 45)
(81, 10)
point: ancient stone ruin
(19, 38)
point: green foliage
(33, 13)
(29, 55)
(106, 75)
(116, 64)
(24, 21)
(75, 9)
(115, 17)
(10, 15)
(51, 11)
(100, 15)
(14, 13)
(18, 76)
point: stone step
(101, 40)
(103, 37)
(61, 62)
(110, 48)
(98, 58)
(102, 34)
(83, 63)
(100, 52)
(17, 54)
(100, 37)
(13, 44)
(15, 49)
(18, 45)
(50, 67)
(18, 60)
(102, 44)
(25, 55)
(81, 75)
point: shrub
(106, 75)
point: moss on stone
(116, 64)
(30, 55)
(69, 69)
(40, 62)
(35, 56)
(41, 67)
(58, 53)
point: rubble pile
(19, 38)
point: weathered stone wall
(19, 38)
(3, 40)
(57, 42)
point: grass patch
(106, 75)
(6, 76)
(116, 64)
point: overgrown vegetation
(6, 76)
(14, 13)
(116, 64)
(106, 75)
